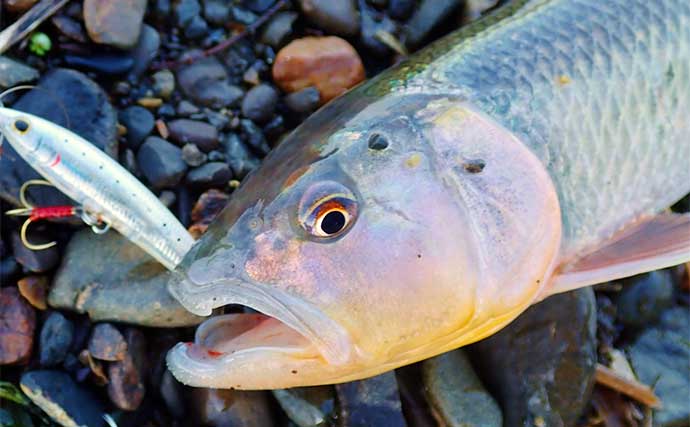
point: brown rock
(17, 324)
(19, 5)
(96, 367)
(329, 63)
(107, 343)
(126, 387)
(114, 22)
(34, 289)
(205, 210)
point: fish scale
(580, 82)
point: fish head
(380, 233)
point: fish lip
(332, 340)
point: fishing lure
(107, 194)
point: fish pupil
(21, 125)
(333, 222)
(378, 142)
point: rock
(334, 17)
(260, 103)
(400, 9)
(196, 28)
(238, 58)
(56, 336)
(186, 109)
(217, 12)
(254, 137)
(185, 131)
(659, 357)
(185, 10)
(239, 158)
(206, 209)
(112, 279)
(274, 128)
(329, 63)
(242, 16)
(161, 162)
(33, 289)
(164, 83)
(307, 406)
(17, 6)
(106, 63)
(193, 156)
(70, 28)
(644, 297)
(107, 343)
(212, 174)
(93, 118)
(206, 83)
(171, 392)
(371, 402)
(17, 324)
(541, 367)
(455, 393)
(13, 73)
(230, 408)
(139, 123)
(426, 17)
(145, 51)
(34, 261)
(8, 269)
(278, 29)
(64, 401)
(374, 22)
(474, 9)
(258, 6)
(114, 22)
(303, 101)
(126, 386)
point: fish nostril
(21, 125)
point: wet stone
(34, 261)
(205, 82)
(456, 394)
(107, 343)
(371, 402)
(126, 382)
(303, 101)
(334, 17)
(186, 109)
(212, 174)
(230, 408)
(259, 103)
(164, 83)
(196, 28)
(400, 9)
(258, 6)
(33, 289)
(139, 123)
(14, 72)
(92, 118)
(279, 29)
(106, 63)
(643, 298)
(239, 158)
(185, 10)
(242, 16)
(114, 22)
(17, 325)
(193, 156)
(172, 393)
(18, 5)
(8, 269)
(130, 287)
(70, 28)
(206, 209)
(307, 406)
(185, 131)
(217, 12)
(145, 51)
(161, 162)
(237, 59)
(540, 368)
(64, 401)
(55, 339)
(659, 357)
(374, 22)
(254, 137)
(427, 16)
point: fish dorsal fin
(658, 242)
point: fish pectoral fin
(658, 242)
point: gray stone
(185, 11)
(14, 72)
(238, 156)
(334, 17)
(193, 156)
(196, 28)
(644, 297)
(161, 162)
(212, 174)
(426, 17)
(217, 11)
(205, 82)
(202, 134)
(259, 103)
(303, 101)
(139, 123)
(114, 22)
(112, 279)
(307, 406)
(164, 83)
(105, 63)
(107, 343)
(70, 28)
(145, 50)
(230, 408)
(56, 337)
(278, 30)
(371, 402)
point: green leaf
(10, 392)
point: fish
(104, 189)
(530, 153)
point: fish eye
(327, 209)
(21, 125)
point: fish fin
(658, 242)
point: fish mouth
(285, 325)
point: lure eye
(327, 209)
(21, 125)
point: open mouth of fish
(285, 326)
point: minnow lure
(522, 156)
(105, 191)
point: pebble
(193, 156)
(186, 108)
(17, 325)
(426, 17)
(254, 137)
(230, 408)
(145, 51)
(64, 401)
(126, 381)
(238, 58)
(307, 406)
(456, 394)
(329, 63)
(14, 72)
(278, 29)
(196, 28)
(34, 261)
(242, 16)
(93, 118)
(34, 289)
(55, 339)
(107, 343)
(172, 393)
(212, 174)
(259, 103)
(8, 269)
(258, 6)
(373, 401)
(217, 12)
(239, 158)
(206, 209)
(206, 83)
(373, 23)
(106, 63)
(202, 134)
(167, 198)
(131, 287)
(139, 123)
(114, 22)
(400, 9)
(16, 6)
(70, 28)
(161, 162)
(303, 101)
(334, 17)
(164, 83)
(644, 297)
(540, 367)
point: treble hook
(97, 225)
